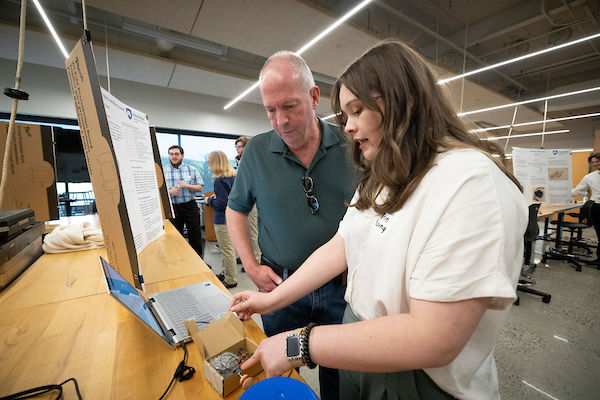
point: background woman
(432, 241)
(224, 176)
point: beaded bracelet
(305, 334)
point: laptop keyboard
(180, 305)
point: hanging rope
(510, 129)
(437, 30)
(16, 94)
(545, 110)
(462, 89)
(544, 123)
(106, 47)
(84, 16)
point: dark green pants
(405, 385)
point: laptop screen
(129, 297)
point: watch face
(292, 346)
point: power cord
(38, 391)
(182, 372)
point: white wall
(49, 95)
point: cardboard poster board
(31, 179)
(545, 174)
(130, 139)
(165, 199)
(102, 163)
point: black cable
(38, 391)
(182, 372)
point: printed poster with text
(545, 174)
(130, 135)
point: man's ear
(315, 94)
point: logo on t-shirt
(382, 222)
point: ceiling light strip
(333, 26)
(512, 60)
(493, 128)
(556, 96)
(51, 28)
(328, 117)
(241, 96)
(307, 45)
(527, 134)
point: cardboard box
(225, 334)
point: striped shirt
(185, 173)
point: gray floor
(552, 351)
(545, 351)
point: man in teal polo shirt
(300, 178)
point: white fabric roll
(76, 237)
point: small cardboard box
(225, 334)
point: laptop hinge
(170, 333)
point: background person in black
(591, 182)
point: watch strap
(305, 336)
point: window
(196, 149)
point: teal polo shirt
(270, 176)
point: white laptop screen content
(129, 297)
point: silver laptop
(165, 312)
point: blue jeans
(324, 306)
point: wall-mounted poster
(544, 173)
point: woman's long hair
(219, 165)
(418, 123)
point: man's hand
(263, 277)
(271, 353)
(182, 184)
(175, 191)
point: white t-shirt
(459, 236)
(592, 182)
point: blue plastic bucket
(279, 388)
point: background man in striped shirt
(183, 181)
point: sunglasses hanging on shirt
(311, 199)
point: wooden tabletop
(50, 332)
(549, 210)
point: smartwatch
(293, 347)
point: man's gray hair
(297, 62)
